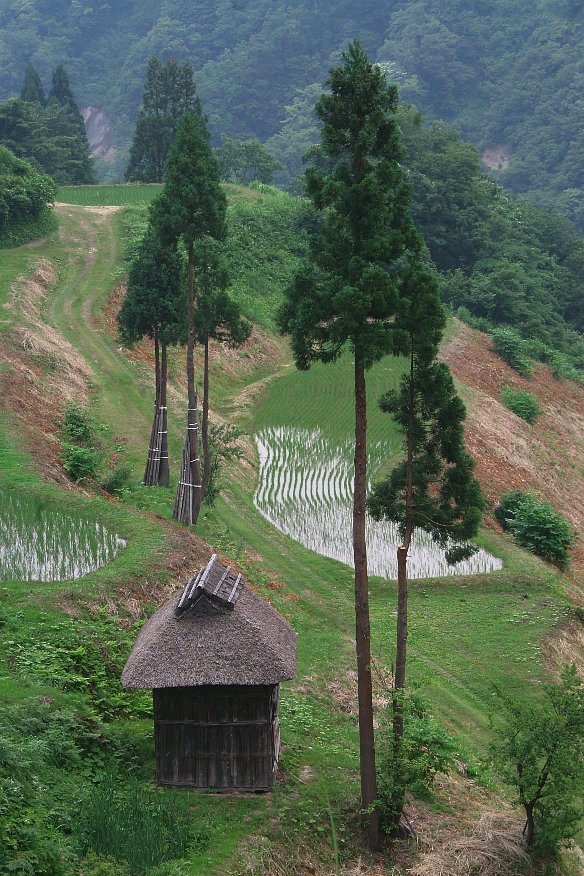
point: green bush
(427, 750)
(521, 402)
(536, 526)
(117, 479)
(512, 349)
(80, 463)
(77, 426)
(540, 751)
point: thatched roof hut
(214, 656)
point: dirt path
(74, 307)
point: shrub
(540, 750)
(117, 480)
(543, 531)
(80, 463)
(509, 503)
(521, 402)
(427, 750)
(222, 447)
(77, 426)
(536, 526)
(512, 349)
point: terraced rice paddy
(40, 543)
(305, 490)
(109, 195)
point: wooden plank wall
(217, 737)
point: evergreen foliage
(192, 206)
(51, 135)
(169, 93)
(154, 303)
(432, 489)
(155, 306)
(349, 292)
(32, 90)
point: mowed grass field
(466, 634)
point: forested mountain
(507, 72)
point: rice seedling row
(305, 489)
(40, 543)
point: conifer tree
(32, 89)
(349, 294)
(169, 93)
(61, 103)
(219, 318)
(155, 307)
(433, 488)
(192, 206)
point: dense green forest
(508, 73)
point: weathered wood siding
(217, 736)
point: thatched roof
(250, 644)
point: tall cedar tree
(192, 206)
(61, 95)
(155, 307)
(433, 488)
(32, 89)
(169, 93)
(350, 293)
(219, 318)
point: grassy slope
(465, 633)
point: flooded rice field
(38, 542)
(305, 490)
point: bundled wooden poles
(157, 472)
(188, 495)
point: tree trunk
(362, 624)
(188, 498)
(164, 471)
(402, 616)
(151, 470)
(205, 424)
(529, 829)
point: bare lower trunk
(152, 462)
(362, 624)
(188, 498)
(529, 829)
(164, 471)
(402, 618)
(205, 424)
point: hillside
(57, 343)
(506, 72)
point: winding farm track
(91, 239)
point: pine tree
(155, 307)
(192, 206)
(32, 89)
(169, 93)
(61, 103)
(350, 292)
(218, 317)
(433, 488)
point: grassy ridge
(465, 633)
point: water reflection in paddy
(39, 542)
(305, 490)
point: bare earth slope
(546, 458)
